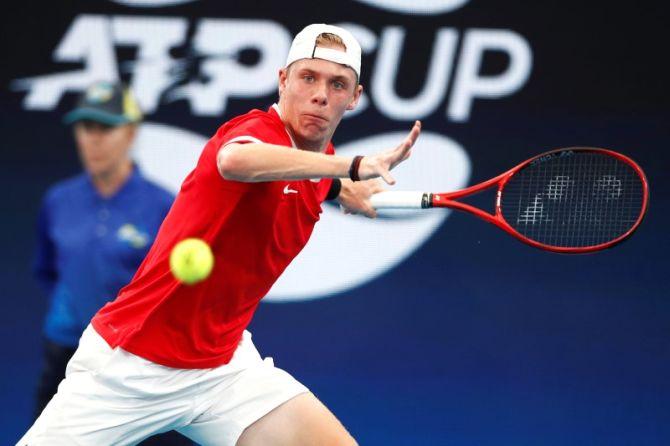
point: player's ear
(357, 96)
(283, 76)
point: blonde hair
(329, 40)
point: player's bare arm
(255, 162)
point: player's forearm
(256, 162)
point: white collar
(276, 108)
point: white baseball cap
(304, 47)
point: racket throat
(427, 201)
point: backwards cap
(304, 47)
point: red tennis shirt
(254, 229)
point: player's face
(313, 96)
(103, 149)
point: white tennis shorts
(112, 397)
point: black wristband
(353, 169)
(335, 188)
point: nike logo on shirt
(288, 190)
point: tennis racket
(573, 200)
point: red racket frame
(447, 200)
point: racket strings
(573, 199)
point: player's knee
(336, 434)
(349, 441)
(339, 440)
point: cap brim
(90, 114)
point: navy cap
(108, 103)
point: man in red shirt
(165, 355)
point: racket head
(573, 200)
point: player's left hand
(380, 164)
(354, 197)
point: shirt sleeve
(255, 129)
(44, 263)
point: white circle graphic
(361, 248)
(417, 6)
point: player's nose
(320, 95)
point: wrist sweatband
(353, 169)
(335, 188)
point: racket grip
(400, 200)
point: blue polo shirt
(89, 246)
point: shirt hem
(109, 336)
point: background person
(94, 229)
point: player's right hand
(355, 196)
(380, 164)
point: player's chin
(310, 124)
(314, 132)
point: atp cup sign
(168, 153)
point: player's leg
(109, 397)
(251, 402)
(303, 420)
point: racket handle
(401, 200)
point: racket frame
(448, 200)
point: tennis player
(167, 356)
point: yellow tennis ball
(191, 261)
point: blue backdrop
(470, 339)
